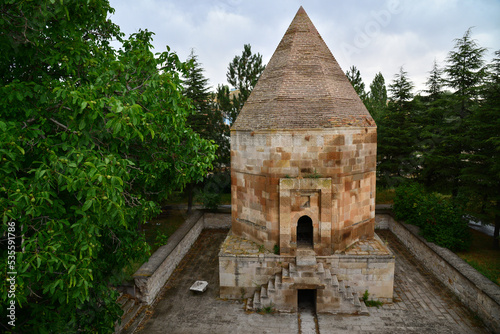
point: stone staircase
(133, 313)
(332, 296)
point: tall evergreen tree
(465, 73)
(432, 121)
(354, 77)
(377, 98)
(206, 119)
(481, 173)
(197, 90)
(435, 82)
(243, 73)
(401, 88)
(396, 134)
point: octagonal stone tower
(303, 159)
(303, 152)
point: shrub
(215, 185)
(440, 221)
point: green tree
(243, 73)
(354, 77)
(465, 73)
(91, 139)
(197, 90)
(377, 97)
(397, 134)
(432, 122)
(481, 172)
(435, 82)
(401, 88)
(207, 120)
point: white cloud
(401, 32)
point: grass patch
(385, 196)
(482, 256)
(165, 225)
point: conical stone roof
(302, 87)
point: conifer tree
(481, 173)
(396, 134)
(377, 99)
(243, 73)
(435, 82)
(197, 90)
(354, 77)
(465, 73)
(432, 120)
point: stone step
(292, 268)
(128, 305)
(277, 281)
(126, 318)
(256, 300)
(134, 324)
(342, 288)
(335, 281)
(356, 301)
(320, 270)
(363, 309)
(348, 293)
(285, 273)
(249, 306)
(270, 286)
(263, 292)
(122, 299)
(328, 277)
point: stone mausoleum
(303, 160)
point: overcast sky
(375, 36)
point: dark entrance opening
(305, 231)
(306, 300)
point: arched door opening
(305, 231)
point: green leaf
(87, 204)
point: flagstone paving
(422, 304)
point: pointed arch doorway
(305, 232)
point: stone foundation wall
(240, 276)
(243, 274)
(372, 273)
(474, 290)
(153, 274)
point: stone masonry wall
(153, 274)
(259, 160)
(473, 289)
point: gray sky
(375, 36)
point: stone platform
(248, 270)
